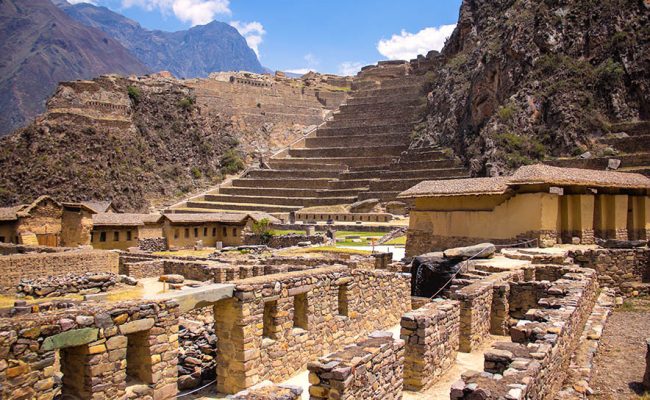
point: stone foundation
(275, 324)
(95, 347)
(619, 269)
(279, 242)
(153, 244)
(432, 337)
(14, 268)
(371, 369)
(535, 365)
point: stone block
(72, 338)
(136, 326)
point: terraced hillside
(630, 143)
(361, 153)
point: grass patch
(325, 249)
(126, 294)
(186, 253)
(281, 232)
(398, 241)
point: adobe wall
(543, 343)
(370, 369)
(15, 267)
(275, 324)
(432, 337)
(75, 228)
(110, 243)
(97, 347)
(622, 269)
(44, 219)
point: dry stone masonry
(370, 369)
(431, 334)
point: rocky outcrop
(520, 81)
(71, 283)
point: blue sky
(333, 36)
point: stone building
(121, 231)
(550, 204)
(77, 221)
(184, 230)
(38, 223)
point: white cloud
(252, 32)
(349, 68)
(311, 59)
(406, 46)
(196, 12)
(300, 71)
(82, 1)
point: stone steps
(358, 140)
(385, 100)
(627, 160)
(369, 111)
(350, 184)
(365, 151)
(297, 183)
(426, 174)
(400, 185)
(633, 128)
(292, 174)
(631, 144)
(376, 129)
(383, 196)
(305, 164)
(422, 165)
(388, 91)
(279, 200)
(344, 162)
(364, 122)
(213, 205)
(428, 155)
(288, 192)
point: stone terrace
(361, 153)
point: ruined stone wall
(620, 269)
(543, 342)
(152, 244)
(143, 269)
(97, 346)
(275, 324)
(282, 241)
(13, 268)
(371, 369)
(43, 220)
(432, 337)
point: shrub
(134, 94)
(609, 74)
(196, 173)
(231, 162)
(186, 103)
(263, 229)
(505, 113)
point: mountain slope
(522, 80)
(41, 46)
(193, 53)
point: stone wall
(88, 283)
(535, 364)
(13, 268)
(620, 269)
(143, 269)
(432, 337)
(275, 324)
(282, 241)
(153, 244)
(97, 348)
(10, 248)
(371, 369)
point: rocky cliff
(193, 53)
(40, 46)
(524, 80)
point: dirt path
(620, 362)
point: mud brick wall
(432, 337)
(542, 344)
(15, 267)
(616, 268)
(371, 369)
(277, 323)
(98, 347)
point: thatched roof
(120, 219)
(528, 175)
(94, 206)
(199, 218)
(10, 213)
(456, 187)
(557, 176)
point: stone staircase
(361, 153)
(632, 142)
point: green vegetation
(231, 162)
(506, 113)
(186, 103)
(609, 74)
(263, 228)
(519, 150)
(134, 94)
(398, 241)
(196, 173)
(281, 232)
